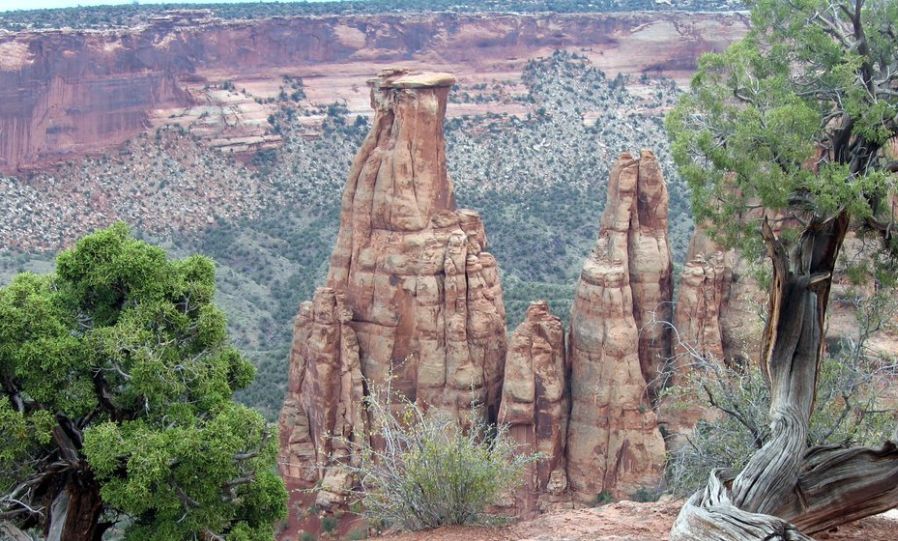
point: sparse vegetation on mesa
(132, 15)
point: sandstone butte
(413, 303)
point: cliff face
(62, 93)
(412, 296)
(614, 445)
(65, 93)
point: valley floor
(622, 521)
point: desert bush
(329, 525)
(427, 471)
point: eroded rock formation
(426, 300)
(717, 314)
(412, 298)
(535, 406)
(413, 303)
(324, 409)
(702, 293)
(614, 445)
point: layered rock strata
(536, 404)
(67, 92)
(614, 445)
(419, 299)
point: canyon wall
(64, 93)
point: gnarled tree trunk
(76, 511)
(787, 491)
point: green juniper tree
(116, 405)
(786, 139)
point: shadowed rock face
(415, 298)
(613, 442)
(536, 404)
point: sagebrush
(426, 470)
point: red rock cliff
(64, 93)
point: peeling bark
(76, 511)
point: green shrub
(603, 498)
(428, 471)
(307, 536)
(329, 524)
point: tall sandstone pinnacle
(412, 298)
(613, 443)
(535, 406)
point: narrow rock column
(535, 406)
(416, 300)
(614, 445)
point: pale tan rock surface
(419, 301)
(614, 445)
(535, 407)
(651, 270)
(323, 409)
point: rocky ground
(622, 521)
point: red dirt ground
(622, 521)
